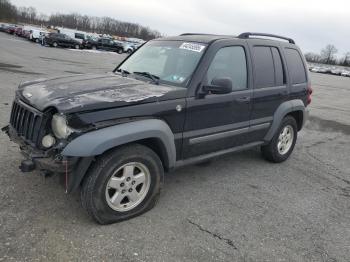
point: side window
(79, 36)
(295, 66)
(263, 67)
(230, 62)
(280, 76)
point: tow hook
(5, 129)
(27, 165)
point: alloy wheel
(285, 139)
(128, 186)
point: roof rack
(248, 34)
(184, 34)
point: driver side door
(217, 122)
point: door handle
(244, 99)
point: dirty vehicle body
(175, 101)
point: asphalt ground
(237, 208)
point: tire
(107, 180)
(93, 47)
(119, 51)
(280, 147)
(129, 51)
(77, 47)
(36, 40)
(54, 44)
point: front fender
(97, 142)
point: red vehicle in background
(18, 31)
(11, 29)
(26, 34)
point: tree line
(328, 56)
(101, 25)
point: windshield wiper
(124, 72)
(154, 78)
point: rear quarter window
(295, 66)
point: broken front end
(41, 137)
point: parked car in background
(128, 47)
(336, 71)
(315, 69)
(106, 44)
(36, 34)
(26, 34)
(345, 73)
(58, 39)
(11, 29)
(18, 31)
(90, 42)
(3, 27)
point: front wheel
(122, 184)
(54, 44)
(283, 142)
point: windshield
(172, 62)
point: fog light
(48, 141)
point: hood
(87, 92)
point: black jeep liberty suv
(175, 101)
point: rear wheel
(93, 47)
(54, 44)
(77, 47)
(119, 51)
(122, 184)
(282, 144)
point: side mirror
(219, 85)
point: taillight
(309, 92)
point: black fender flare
(281, 112)
(99, 141)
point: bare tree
(346, 59)
(328, 53)
(8, 12)
(313, 57)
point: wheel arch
(294, 108)
(153, 133)
(298, 115)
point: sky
(312, 24)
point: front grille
(28, 122)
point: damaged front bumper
(71, 170)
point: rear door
(64, 40)
(270, 86)
(104, 44)
(218, 122)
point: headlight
(59, 126)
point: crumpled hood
(90, 91)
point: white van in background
(75, 34)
